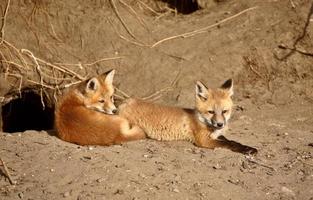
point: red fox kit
(85, 115)
(202, 126)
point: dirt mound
(265, 46)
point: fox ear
(228, 86)
(201, 91)
(92, 85)
(109, 77)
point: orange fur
(84, 115)
(202, 126)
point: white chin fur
(216, 134)
(108, 112)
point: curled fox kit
(85, 115)
(202, 126)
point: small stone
(286, 133)
(119, 191)
(21, 195)
(196, 151)
(288, 191)
(51, 170)
(66, 194)
(235, 182)
(146, 156)
(217, 166)
(176, 190)
(142, 175)
(99, 180)
(87, 157)
(90, 148)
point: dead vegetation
(21, 68)
(265, 46)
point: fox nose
(220, 125)
(114, 111)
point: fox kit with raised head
(85, 115)
(202, 126)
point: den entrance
(27, 113)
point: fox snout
(215, 121)
(218, 124)
(218, 120)
(114, 111)
(111, 110)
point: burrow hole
(27, 113)
(183, 6)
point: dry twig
(282, 46)
(124, 38)
(6, 172)
(158, 94)
(38, 69)
(41, 84)
(3, 21)
(120, 18)
(119, 96)
(250, 63)
(202, 30)
(301, 36)
(252, 160)
(103, 59)
(21, 58)
(133, 42)
(122, 92)
(149, 8)
(135, 13)
(70, 84)
(292, 4)
(62, 69)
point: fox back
(202, 125)
(213, 109)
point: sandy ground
(273, 100)
(48, 168)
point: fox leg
(204, 141)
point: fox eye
(101, 101)
(211, 112)
(224, 111)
